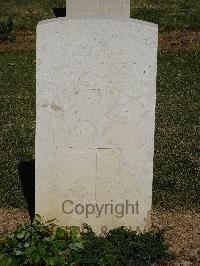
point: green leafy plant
(124, 247)
(6, 28)
(44, 243)
(41, 243)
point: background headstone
(96, 93)
(119, 8)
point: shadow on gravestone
(59, 12)
(27, 176)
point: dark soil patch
(182, 231)
(26, 40)
(9, 218)
(179, 39)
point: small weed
(6, 28)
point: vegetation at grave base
(6, 28)
(170, 15)
(41, 243)
(176, 162)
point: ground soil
(26, 40)
(180, 39)
(9, 218)
(182, 231)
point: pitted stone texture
(105, 8)
(96, 93)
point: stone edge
(62, 20)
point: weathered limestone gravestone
(96, 93)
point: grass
(176, 165)
(27, 13)
(17, 85)
(169, 14)
(176, 162)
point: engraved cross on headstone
(103, 8)
(96, 94)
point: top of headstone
(104, 8)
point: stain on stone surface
(56, 107)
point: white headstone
(96, 93)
